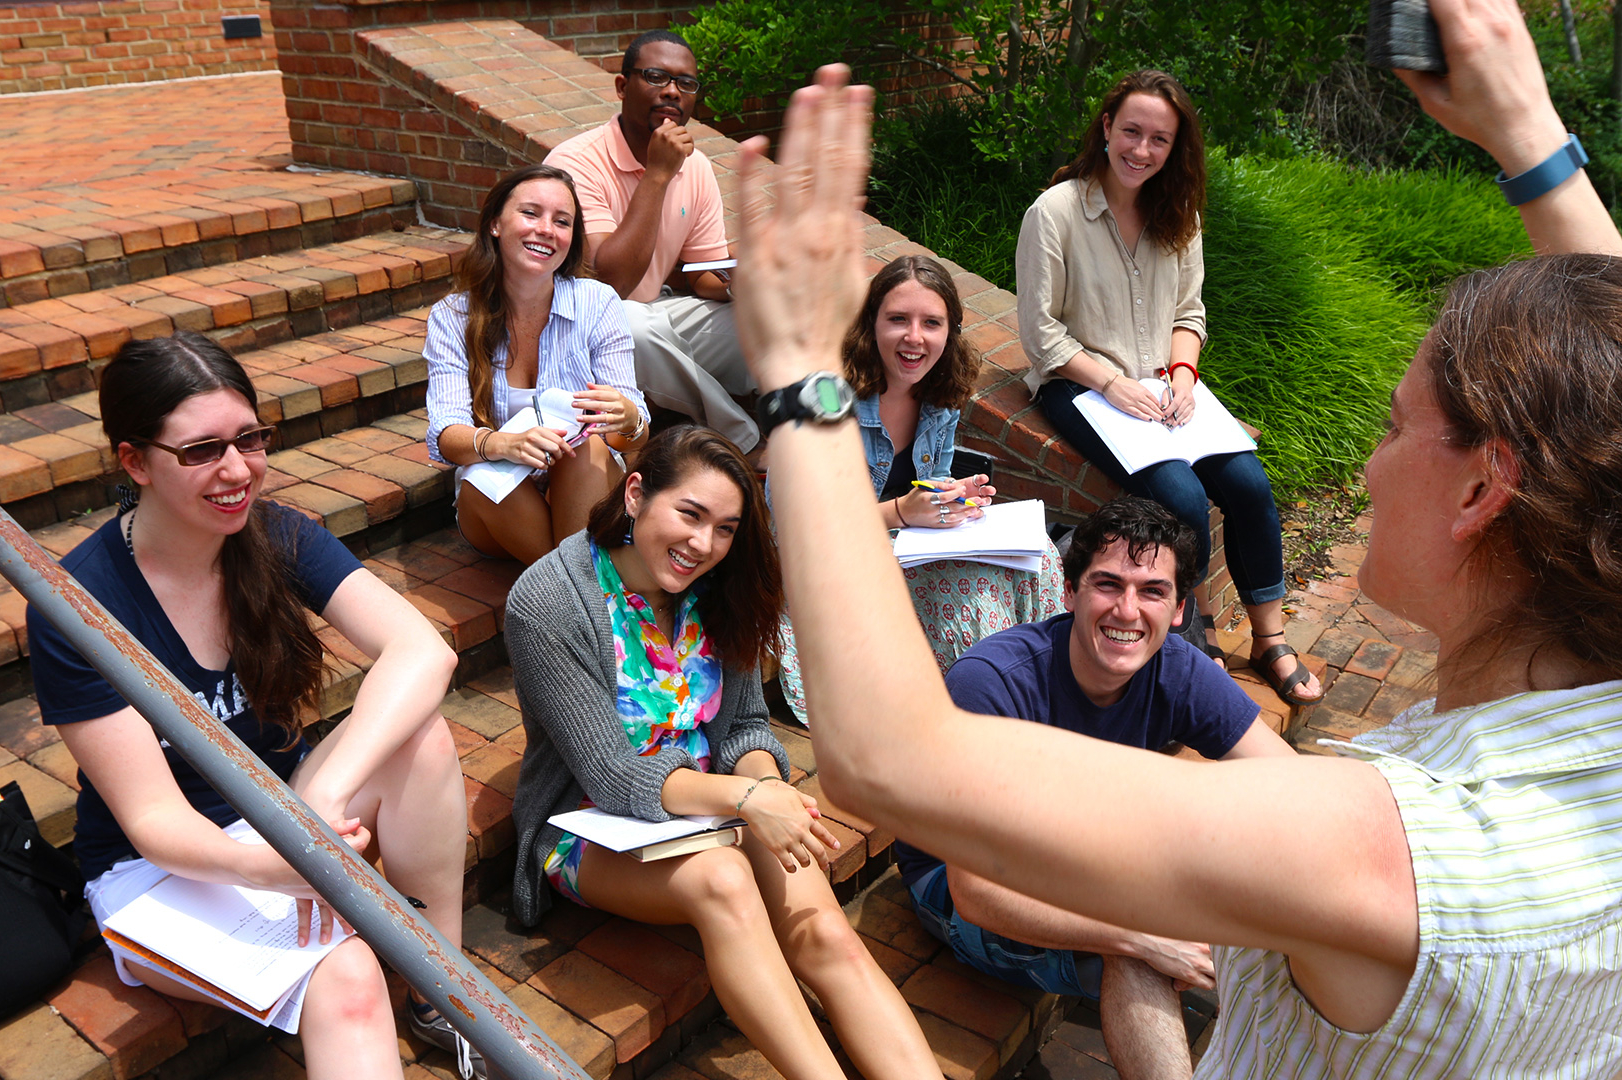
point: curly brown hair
(479, 277)
(741, 606)
(950, 383)
(1172, 199)
(1528, 358)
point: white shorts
(132, 878)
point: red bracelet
(1172, 367)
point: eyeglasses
(208, 451)
(657, 77)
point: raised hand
(1493, 93)
(799, 276)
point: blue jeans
(1237, 483)
(1054, 971)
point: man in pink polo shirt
(651, 204)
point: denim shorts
(1056, 971)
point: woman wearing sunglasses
(220, 587)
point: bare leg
(347, 1027)
(1142, 1018)
(715, 892)
(416, 807)
(1267, 630)
(578, 482)
(874, 1023)
(519, 527)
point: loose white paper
(1137, 444)
(618, 833)
(555, 409)
(1009, 534)
(244, 941)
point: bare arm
(1328, 883)
(621, 257)
(400, 694)
(1495, 96)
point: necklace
(129, 531)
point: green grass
(1320, 280)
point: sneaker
(432, 1028)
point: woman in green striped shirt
(1447, 905)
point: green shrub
(1320, 280)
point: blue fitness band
(1541, 179)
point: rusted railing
(506, 1037)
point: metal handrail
(506, 1037)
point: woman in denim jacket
(912, 371)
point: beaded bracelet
(739, 808)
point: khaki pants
(688, 359)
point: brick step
(52, 349)
(612, 993)
(77, 238)
(58, 463)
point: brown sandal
(1285, 686)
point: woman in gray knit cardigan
(635, 648)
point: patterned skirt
(958, 602)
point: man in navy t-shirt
(1108, 670)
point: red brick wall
(63, 45)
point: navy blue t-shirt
(1179, 696)
(69, 690)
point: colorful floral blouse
(667, 690)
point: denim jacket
(931, 446)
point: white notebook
(618, 833)
(1010, 534)
(499, 479)
(237, 943)
(1138, 444)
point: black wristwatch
(821, 397)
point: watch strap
(801, 401)
(1544, 177)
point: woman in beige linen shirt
(1110, 266)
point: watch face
(828, 396)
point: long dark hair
(950, 383)
(1171, 200)
(1528, 357)
(277, 656)
(745, 595)
(479, 278)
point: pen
(930, 485)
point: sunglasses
(657, 77)
(208, 451)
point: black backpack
(41, 906)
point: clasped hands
(788, 824)
(1173, 408)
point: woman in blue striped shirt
(523, 321)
